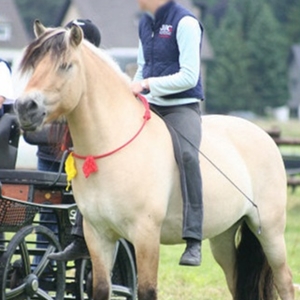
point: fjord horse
(127, 182)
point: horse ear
(38, 28)
(76, 35)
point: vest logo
(165, 31)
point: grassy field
(207, 282)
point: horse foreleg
(101, 251)
(147, 259)
(224, 252)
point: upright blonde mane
(56, 42)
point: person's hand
(2, 99)
(138, 86)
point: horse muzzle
(30, 112)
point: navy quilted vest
(160, 46)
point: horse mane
(55, 41)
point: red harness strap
(90, 165)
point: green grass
(208, 282)
(176, 282)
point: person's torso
(160, 48)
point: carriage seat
(9, 141)
(34, 186)
(34, 177)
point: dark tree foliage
(249, 71)
(47, 11)
(292, 25)
(286, 12)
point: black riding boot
(192, 253)
(77, 249)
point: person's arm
(2, 99)
(139, 84)
(140, 63)
(51, 134)
(188, 39)
(6, 86)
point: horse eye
(65, 66)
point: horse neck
(107, 114)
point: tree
(47, 11)
(292, 25)
(227, 83)
(269, 51)
(249, 70)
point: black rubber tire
(21, 278)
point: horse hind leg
(275, 251)
(253, 273)
(260, 268)
(224, 252)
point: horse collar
(90, 165)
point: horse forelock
(54, 42)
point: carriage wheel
(26, 272)
(124, 278)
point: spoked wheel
(26, 272)
(124, 278)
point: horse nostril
(22, 106)
(30, 111)
(31, 105)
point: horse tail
(254, 276)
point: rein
(90, 165)
(223, 174)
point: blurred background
(250, 56)
(250, 67)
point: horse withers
(132, 188)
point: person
(9, 126)
(6, 99)
(170, 39)
(49, 158)
(6, 87)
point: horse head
(54, 63)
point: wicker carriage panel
(15, 214)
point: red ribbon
(90, 165)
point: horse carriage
(26, 240)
